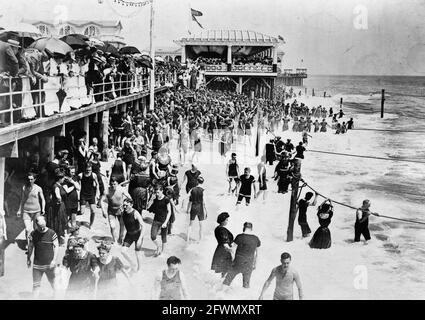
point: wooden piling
(294, 206)
(382, 102)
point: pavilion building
(229, 48)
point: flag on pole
(196, 13)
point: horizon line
(366, 75)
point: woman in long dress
(57, 216)
(222, 259)
(322, 237)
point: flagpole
(152, 49)
(189, 27)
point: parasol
(109, 48)
(75, 41)
(61, 94)
(145, 63)
(51, 44)
(129, 50)
(21, 28)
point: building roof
(101, 23)
(229, 36)
(166, 50)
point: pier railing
(18, 103)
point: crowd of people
(141, 190)
(78, 78)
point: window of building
(65, 30)
(44, 30)
(91, 31)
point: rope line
(367, 157)
(351, 207)
(389, 130)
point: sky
(362, 37)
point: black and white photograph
(207, 150)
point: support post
(382, 103)
(183, 55)
(229, 58)
(340, 103)
(105, 134)
(293, 208)
(86, 126)
(240, 85)
(2, 170)
(152, 47)
(3, 234)
(136, 105)
(274, 53)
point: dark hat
(233, 154)
(247, 225)
(222, 217)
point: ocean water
(396, 188)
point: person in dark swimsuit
(245, 256)
(270, 152)
(232, 172)
(83, 266)
(89, 187)
(191, 176)
(361, 227)
(303, 205)
(196, 207)
(300, 151)
(222, 258)
(171, 283)
(160, 206)
(282, 174)
(246, 182)
(133, 223)
(109, 266)
(350, 124)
